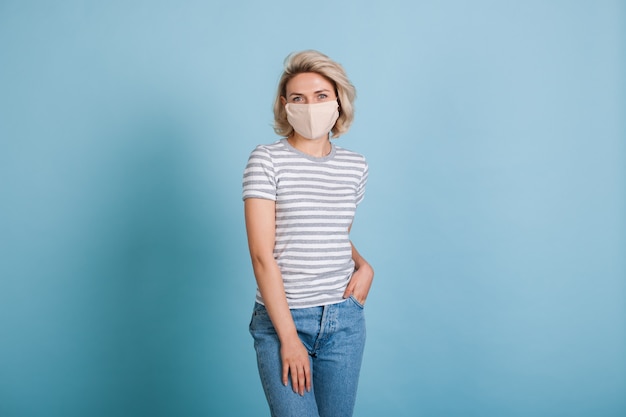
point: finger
(285, 374)
(294, 380)
(349, 290)
(301, 381)
(307, 376)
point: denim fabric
(334, 336)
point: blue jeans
(334, 335)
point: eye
(322, 96)
(296, 99)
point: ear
(283, 100)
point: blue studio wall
(494, 216)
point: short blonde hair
(314, 61)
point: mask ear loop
(332, 134)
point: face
(308, 88)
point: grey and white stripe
(316, 199)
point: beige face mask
(312, 121)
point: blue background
(494, 215)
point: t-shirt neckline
(328, 157)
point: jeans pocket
(260, 321)
(355, 301)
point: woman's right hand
(295, 363)
(261, 228)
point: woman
(300, 195)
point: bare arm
(361, 281)
(261, 227)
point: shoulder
(350, 155)
(267, 151)
(269, 148)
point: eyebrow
(315, 92)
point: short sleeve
(360, 191)
(259, 180)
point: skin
(261, 228)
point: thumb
(349, 289)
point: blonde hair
(314, 61)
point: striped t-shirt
(316, 199)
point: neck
(318, 148)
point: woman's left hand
(360, 283)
